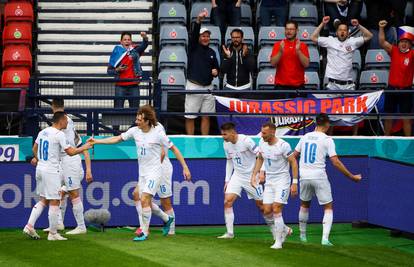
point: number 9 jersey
(313, 148)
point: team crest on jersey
(348, 48)
(406, 61)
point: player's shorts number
(238, 160)
(44, 149)
(163, 189)
(310, 153)
(151, 184)
(70, 181)
(143, 152)
(259, 190)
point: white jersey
(313, 148)
(276, 159)
(51, 142)
(149, 147)
(243, 154)
(161, 128)
(340, 56)
(74, 140)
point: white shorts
(72, 175)
(237, 184)
(319, 187)
(149, 184)
(165, 188)
(204, 103)
(276, 191)
(48, 184)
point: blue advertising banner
(199, 202)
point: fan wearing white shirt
(313, 148)
(340, 50)
(47, 149)
(276, 156)
(241, 153)
(149, 143)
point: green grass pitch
(198, 246)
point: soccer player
(277, 156)
(72, 172)
(313, 148)
(149, 142)
(241, 153)
(164, 192)
(48, 149)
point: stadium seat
(263, 58)
(215, 37)
(314, 59)
(266, 79)
(172, 57)
(409, 13)
(172, 79)
(305, 32)
(373, 79)
(18, 33)
(246, 15)
(173, 34)
(356, 60)
(18, 11)
(197, 7)
(15, 78)
(377, 59)
(303, 13)
(17, 55)
(173, 13)
(312, 81)
(247, 33)
(269, 35)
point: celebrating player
(47, 149)
(313, 148)
(241, 153)
(164, 192)
(277, 156)
(149, 142)
(72, 172)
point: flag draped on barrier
(347, 104)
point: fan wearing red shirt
(401, 75)
(290, 57)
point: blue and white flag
(117, 55)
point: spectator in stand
(290, 57)
(124, 64)
(226, 13)
(392, 11)
(342, 11)
(238, 63)
(340, 52)
(202, 68)
(277, 8)
(401, 75)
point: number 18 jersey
(51, 142)
(313, 148)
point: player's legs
(327, 224)
(138, 207)
(63, 205)
(34, 215)
(303, 219)
(168, 208)
(229, 199)
(77, 207)
(279, 225)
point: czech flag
(117, 55)
(406, 32)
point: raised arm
(341, 167)
(144, 44)
(317, 31)
(366, 34)
(180, 158)
(381, 37)
(106, 141)
(71, 151)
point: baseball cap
(204, 29)
(406, 32)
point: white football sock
(327, 224)
(138, 207)
(35, 214)
(146, 218)
(156, 210)
(271, 223)
(303, 220)
(53, 219)
(172, 226)
(229, 219)
(279, 226)
(62, 206)
(78, 212)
